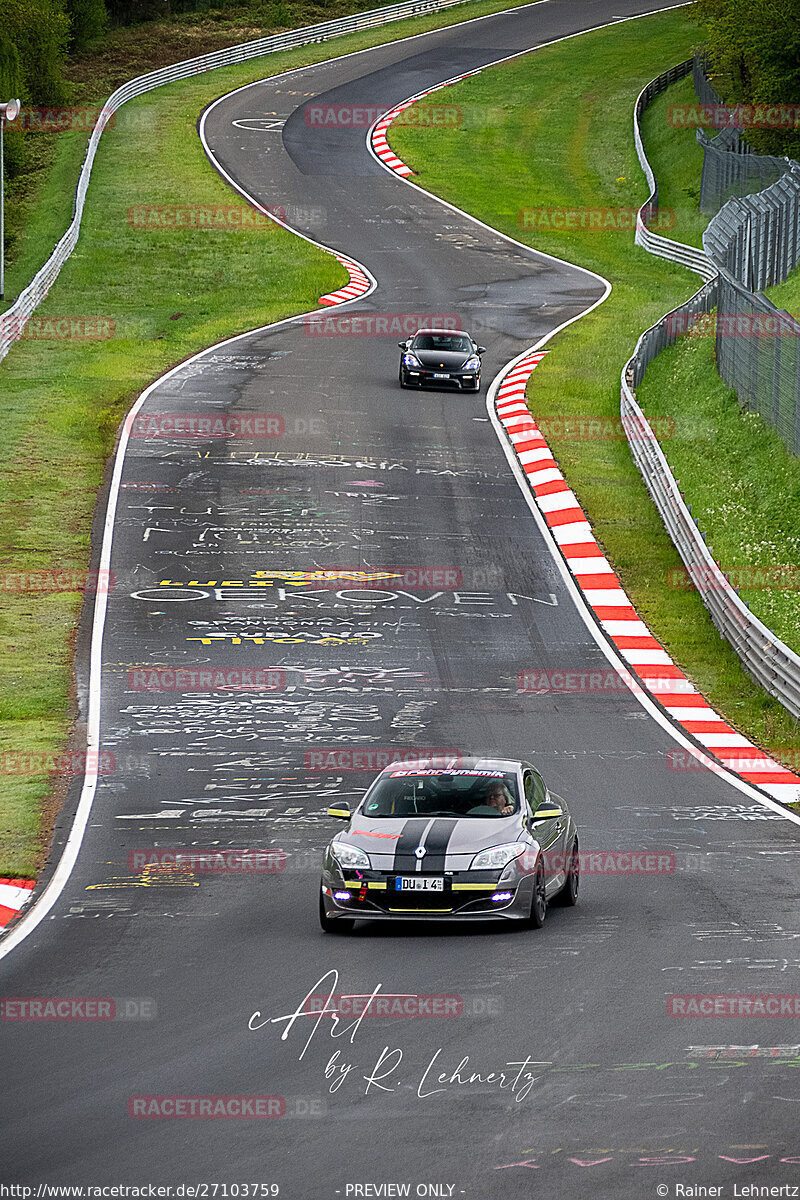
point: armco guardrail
(663, 247)
(764, 656)
(13, 320)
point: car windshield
(457, 343)
(436, 793)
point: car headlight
(472, 364)
(411, 360)
(349, 856)
(497, 857)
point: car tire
(568, 896)
(403, 382)
(334, 924)
(538, 913)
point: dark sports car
(442, 358)
(478, 841)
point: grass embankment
(677, 160)
(559, 135)
(169, 294)
(39, 200)
(787, 294)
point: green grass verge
(748, 506)
(40, 200)
(169, 295)
(557, 132)
(677, 161)
(39, 205)
(787, 294)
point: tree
(754, 45)
(39, 30)
(88, 20)
(131, 12)
(10, 88)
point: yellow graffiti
(293, 578)
(153, 875)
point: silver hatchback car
(479, 841)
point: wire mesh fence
(758, 354)
(754, 241)
(770, 662)
(730, 166)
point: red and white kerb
(358, 285)
(594, 575)
(14, 895)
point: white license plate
(420, 883)
(441, 374)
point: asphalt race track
(611, 1096)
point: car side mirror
(403, 345)
(548, 814)
(481, 349)
(340, 810)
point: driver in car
(497, 797)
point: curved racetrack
(624, 1097)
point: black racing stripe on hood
(407, 843)
(436, 844)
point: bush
(755, 47)
(88, 20)
(39, 32)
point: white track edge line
(69, 854)
(581, 604)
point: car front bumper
(467, 896)
(424, 377)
